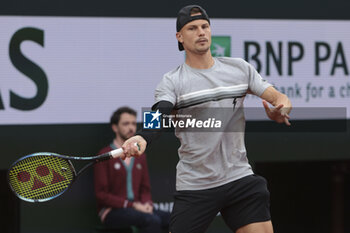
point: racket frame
(94, 160)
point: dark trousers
(147, 223)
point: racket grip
(117, 152)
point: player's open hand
(278, 114)
(133, 147)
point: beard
(202, 50)
(197, 49)
(127, 135)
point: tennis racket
(44, 176)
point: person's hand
(278, 114)
(142, 207)
(149, 207)
(133, 147)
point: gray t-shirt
(211, 159)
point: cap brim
(181, 47)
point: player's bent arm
(281, 103)
(277, 98)
(144, 138)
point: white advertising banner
(62, 70)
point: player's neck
(199, 61)
(118, 142)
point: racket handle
(117, 152)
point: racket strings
(40, 177)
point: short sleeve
(257, 85)
(165, 91)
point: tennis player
(213, 173)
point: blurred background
(65, 66)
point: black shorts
(240, 202)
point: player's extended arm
(143, 138)
(281, 103)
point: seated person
(122, 187)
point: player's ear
(179, 37)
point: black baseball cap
(184, 17)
